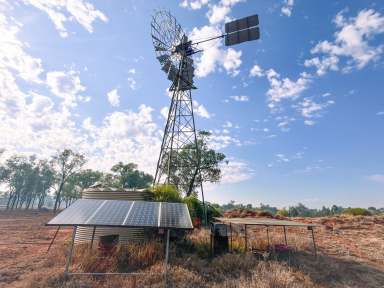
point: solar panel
(90, 212)
(111, 213)
(174, 215)
(144, 214)
(241, 24)
(242, 36)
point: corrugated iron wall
(125, 234)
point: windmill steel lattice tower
(174, 50)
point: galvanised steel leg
(268, 236)
(245, 238)
(69, 259)
(230, 226)
(285, 236)
(313, 240)
(166, 258)
(93, 235)
(53, 239)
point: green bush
(282, 212)
(357, 212)
(166, 193)
(195, 207)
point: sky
(299, 113)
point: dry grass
(351, 255)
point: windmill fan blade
(159, 41)
(172, 73)
(163, 59)
(160, 48)
(166, 66)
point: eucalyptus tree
(195, 167)
(66, 164)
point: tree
(127, 176)
(86, 178)
(191, 167)
(166, 193)
(66, 163)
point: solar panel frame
(121, 213)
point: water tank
(84, 234)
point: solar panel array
(91, 212)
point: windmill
(174, 51)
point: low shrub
(357, 212)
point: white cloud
(285, 88)
(352, 43)
(380, 113)
(227, 124)
(310, 109)
(287, 7)
(193, 4)
(13, 55)
(241, 98)
(376, 178)
(235, 171)
(164, 112)
(220, 140)
(213, 55)
(113, 98)
(200, 110)
(256, 71)
(309, 122)
(284, 122)
(219, 12)
(33, 123)
(232, 61)
(60, 12)
(131, 81)
(66, 85)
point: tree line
(29, 181)
(300, 210)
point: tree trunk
(57, 201)
(190, 188)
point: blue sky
(299, 113)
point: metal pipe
(53, 239)
(230, 227)
(166, 257)
(268, 236)
(313, 240)
(93, 235)
(285, 236)
(245, 238)
(69, 259)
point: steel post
(93, 235)
(69, 258)
(53, 239)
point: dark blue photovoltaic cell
(89, 212)
(83, 210)
(111, 213)
(175, 215)
(144, 214)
